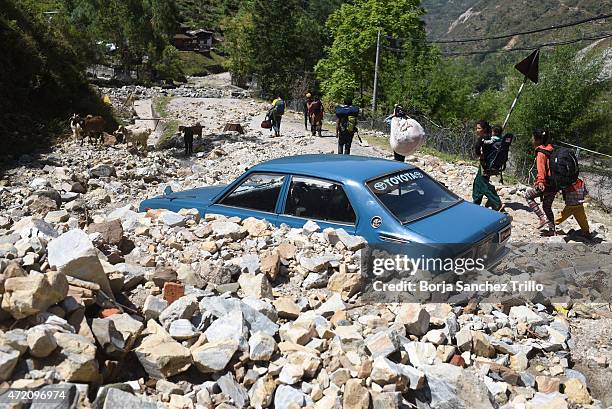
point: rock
(353, 243)
(453, 387)
(384, 371)
(118, 399)
(547, 401)
(25, 296)
(172, 219)
(214, 356)
(464, 339)
(420, 353)
(255, 227)
(108, 337)
(182, 329)
(262, 392)
(13, 269)
(79, 363)
(74, 255)
(183, 308)
(333, 304)
(523, 313)
(436, 336)
(163, 275)
(168, 388)
(291, 374)
(111, 231)
(546, 384)
(382, 343)
(153, 307)
(286, 250)
(231, 326)
(261, 347)
(576, 391)
(481, 345)
(43, 205)
(270, 264)
(39, 183)
(58, 216)
(310, 227)
(226, 229)
(286, 308)
(256, 286)
(386, 400)
(221, 307)
(315, 263)
(41, 341)
(347, 284)
(286, 395)
(102, 170)
(8, 361)
(234, 390)
(519, 362)
(414, 317)
(161, 356)
(356, 396)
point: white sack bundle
(407, 135)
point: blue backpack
(279, 108)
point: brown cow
(93, 126)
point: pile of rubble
(187, 90)
(210, 312)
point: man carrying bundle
(346, 125)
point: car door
(322, 201)
(256, 196)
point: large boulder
(79, 363)
(161, 356)
(25, 296)
(74, 255)
(454, 387)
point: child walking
(574, 197)
(542, 188)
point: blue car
(386, 202)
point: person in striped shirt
(574, 197)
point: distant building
(199, 40)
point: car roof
(341, 168)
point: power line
(538, 30)
(531, 48)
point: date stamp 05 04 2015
(47, 395)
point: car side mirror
(168, 190)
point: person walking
(542, 187)
(574, 197)
(346, 126)
(482, 186)
(187, 132)
(315, 115)
(398, 112)
(276, 114)
(306, 109)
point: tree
(349, 65)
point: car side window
(319, 200)
(258, 192)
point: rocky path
(172, 310)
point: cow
(76, 125)
(93, 126)
(197, 130)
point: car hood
(201, 195)
(462, 223)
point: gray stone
(310, 227)
(168, 388)
(161, 356)
(108, 337)
(286, 395)
(153, 307)
(234, 390)
(256, 286)
(261, 347)
(226, 229)
(74, 255)
(414, 317)
(118, 399)
(525, 314)
(382, 343)
(8, 361)
(182, 329)
(249, 263)
(230, 326)
(129, 328)
(453, 387)
(79, 358)
(16, 339)
(420, 353)
(184, 307)
(41, 341)
(334, 303)
(214, 356)
(102, 170)
(256, 321)
(353, 243)
(57, 216)
(172, 219)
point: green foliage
(41, 80)
(354, 28)
(196, 64)
(169, 66)
(565, 101)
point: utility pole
(376, 75)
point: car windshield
(411, 194)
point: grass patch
(160, 108)
(196, 64)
